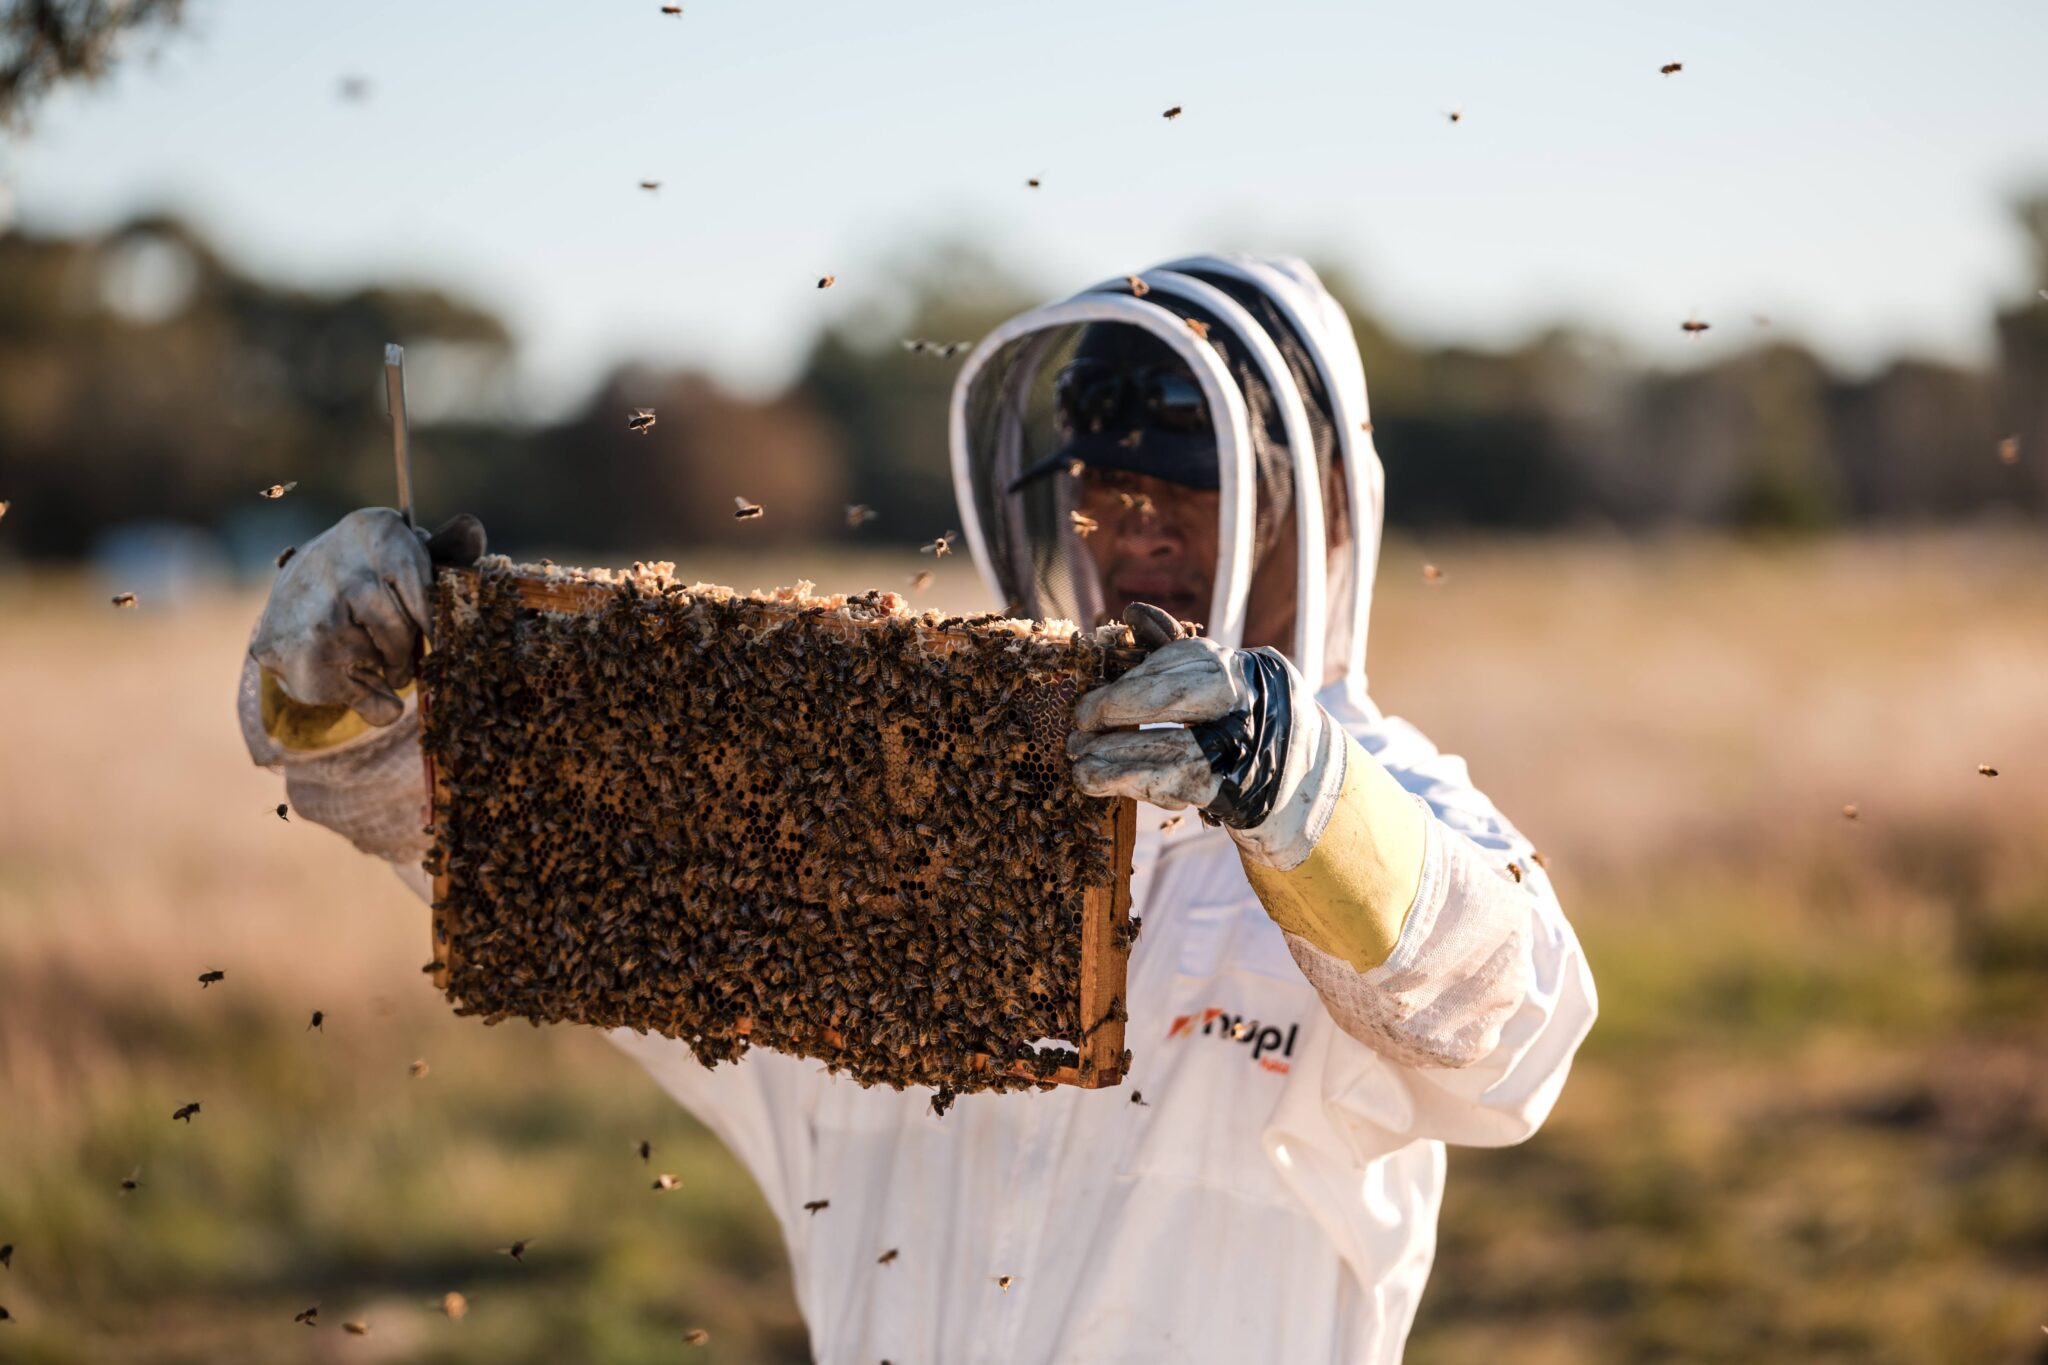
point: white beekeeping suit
(1274, 1197)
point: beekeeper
(1349, 961)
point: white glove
(346, 613)
(1252, 749)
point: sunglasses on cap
(1091, 395)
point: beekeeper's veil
(1284, 394)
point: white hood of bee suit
(1285, 387)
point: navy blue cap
(1131, 436)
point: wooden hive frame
(1104, 942)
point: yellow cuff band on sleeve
(303, 727)
(1351, 895)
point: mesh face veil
(1282, 392)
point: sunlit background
(1701, 595)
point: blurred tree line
(144, 378)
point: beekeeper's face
(1156, 541)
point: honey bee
(319, 1018)
(185, 1112)
(1171, 823)
(282, 559)
(1076, 468)
(1132, 441)
(517, 1251)
(455, 1306)
(284, 811)
(1987, 770)
(4, 505)
(696, 1336)
(1515, 871)
(1032, 183)
(940, 547)
(418, 1068)
(1199, 328)
(641, 421)
(5, 1316)
(1242, 1030)
(124, 599)
(814, 1205)
(1671, 68)
(1536, 857)
(1141, 502)
(354, 89)
(7, 1255)
(356, 1327)
(888, 1257)
(746, 511)
(1849, 811)
(646, 1149)
(921, 580)
(1003, 1282)
(1432, 575)
(309, 1316)
(675, 10)
(1138, 1098)
(650, 185)
(1172, 114)
(277, 490)
(2009, 450)
(858, 514)
(437, 965)
(1365, 427)
(132, 1182)
(1693, 326)
(1456, 116)
(665, 1181)
(1084, 525)
(827, 281)
(208, 978)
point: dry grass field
(1812, 1124)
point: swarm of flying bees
(277, 490)
(924, 872)
(938, 350)
(640, 421)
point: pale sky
(1843, 168)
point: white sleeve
(1466, 1033)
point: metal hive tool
(830, 826)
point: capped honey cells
(834, 826)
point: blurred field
(1812, 1124)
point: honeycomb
(831, 826)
